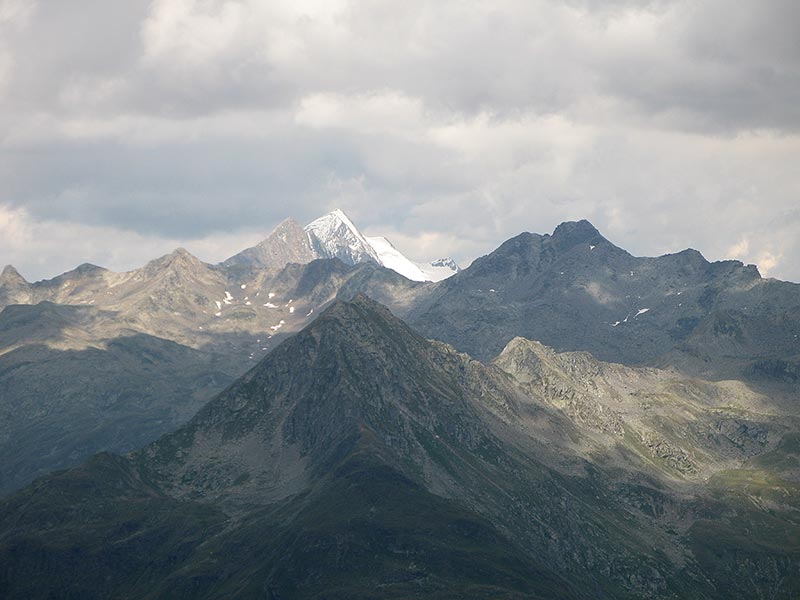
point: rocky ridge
(312, 474)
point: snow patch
(391, 258)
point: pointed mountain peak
(335, 236)
(81, 272)
(521, 348)
(526, 360)
(88, 268)
(285, 230)
(333, 220)
(183, 256)
(358, 305)
(338, 213)
(287, 243)
(11, 276)
(180, 259)
(358, 320)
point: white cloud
(16, 13)
(448, 126)
(45, 248)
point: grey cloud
(667, 123)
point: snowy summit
(335, 236)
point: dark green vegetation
(359, 460)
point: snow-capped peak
(391, 258)
(441, 268)
(446, 263)
(334, 236)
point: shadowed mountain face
(574, 290)
(65, 395)
(130, 357)
(359, 460)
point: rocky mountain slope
(64, 395)
(287, 244)
(575, 290)
(146, 348)
(359, 460)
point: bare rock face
(13, 287)
(575, 290)
(686, 428)
(288, 243)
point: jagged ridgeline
(349, 457)
(360, 460)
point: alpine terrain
(359, 460)
(313, 418)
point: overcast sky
(128, 128)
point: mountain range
(359, 460)
(559, 419)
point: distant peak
(339, 214)
(287, 222)
(335, 236)
(575, 232)
(180, 257)
(86, 269)
(11, 275)
(288, 231)
(286, 227)
(333, 218)
(446, 262)
(521, 344)
(689, 255)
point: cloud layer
(127, 128)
